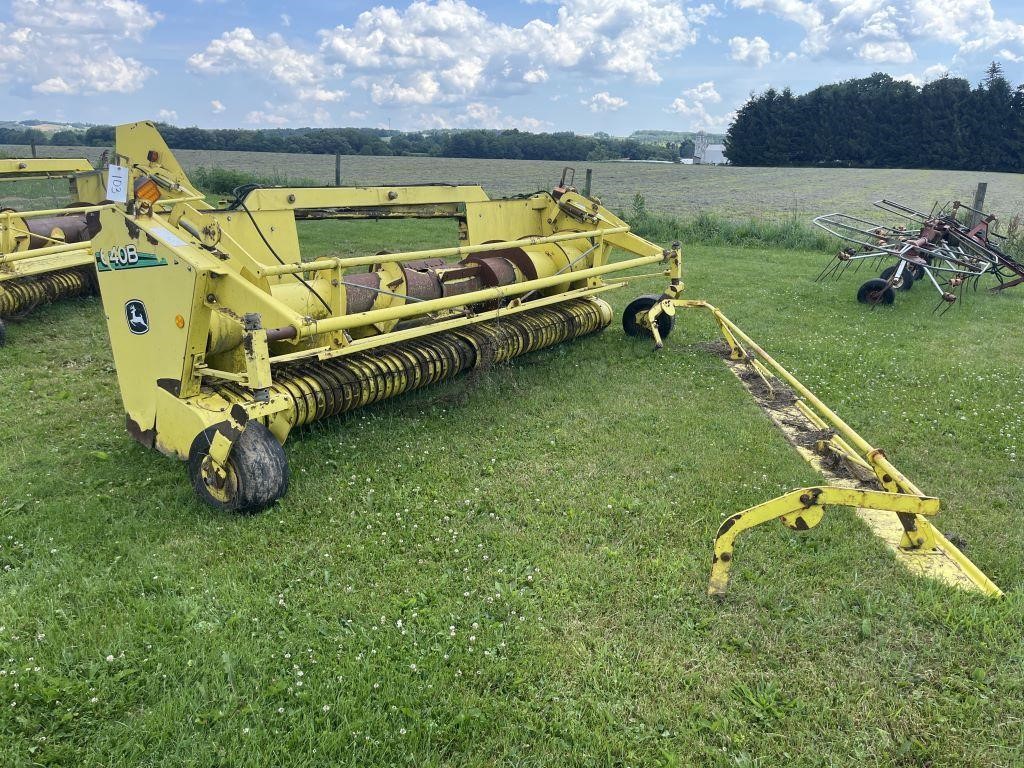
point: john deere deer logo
(135, 314)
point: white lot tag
(117, 183)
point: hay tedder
(45, 254)
(952, 247)
(225, 340)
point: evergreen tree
(881, 122)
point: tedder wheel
(876, 291)
(257, 471)
(642, 304)
(904, 282)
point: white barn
(713, 155)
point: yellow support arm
(802, 510)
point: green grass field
(511, 569)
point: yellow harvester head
(225, 339)
(45, 254)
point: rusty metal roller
(21, 295)
(321, 389)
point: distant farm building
(714, 154)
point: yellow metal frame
(17, 260)
(42, 167)
(920, 544)
(218, 267)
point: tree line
(879, 122)
(492, 144)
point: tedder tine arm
(801, 510)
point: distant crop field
(676, 189)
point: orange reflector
(152, 155)
(179, 321)
(146, 189)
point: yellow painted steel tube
(55, 211)
(48, 250)
(848, 432)
(435, 253)
(360, 319)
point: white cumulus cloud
(478, 115)
(693, 106)
(893, 51)
(71, 47)
(604, 102)
(117, 18)
(886, 30)
(241, 49)
(261, 117)
(448, 54)
(755, 50)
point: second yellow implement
(45, 254)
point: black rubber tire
(3, 333)
(643, 304)
(258, 470)
(876, 291)
(906, 280)
(917, 271)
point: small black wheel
(257, 471)
(3, 333)
(876, 291)
(642, 304)
(917, 270)
(902, 283)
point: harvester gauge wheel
(902, 283)
(876, 291)
(255, 476)
(633, 317)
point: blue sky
(583, 65)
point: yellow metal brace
(907, 530)
(801, 510)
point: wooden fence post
(979, 202)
